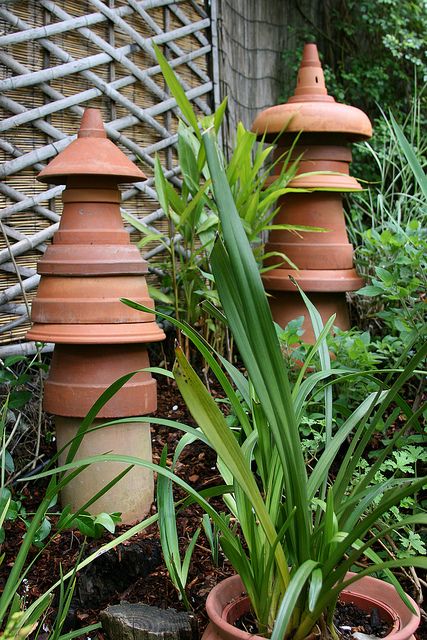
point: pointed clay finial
(91, 125)
(91, 154)
(310, 56)
(311, 109)
(311, 81)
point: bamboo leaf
(187, 159)
(177, 91)
(219, 114)
(160, 182)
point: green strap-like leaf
(245, 304)
(411, 157)
(177, 91)
(293, 592)
(210, 419)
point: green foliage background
(373, 52)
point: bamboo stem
(13, 292)
(15, 309)
(145, 43)
(185, 20)
(172, 45)
(29, 202)
(24, 349)
(10, 232)
(26, 272)
(29, 243)
(54, 29)
(17, 108)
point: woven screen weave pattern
(56, 58)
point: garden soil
(134, 571)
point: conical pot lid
(91, 153)
(311, 109)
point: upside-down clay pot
(90, 265)
(227, 602)
(316, 131)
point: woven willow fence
(57, 58)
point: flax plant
(302, 529)
(301, 520)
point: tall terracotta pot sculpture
(324, 260)
(90, 265)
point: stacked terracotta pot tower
(324, 260)
(90, 265)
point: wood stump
(126, 621)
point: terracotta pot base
(96, 333)
(327, 280)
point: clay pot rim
(404, 623)
(314, 117)
(320, 280)
(132, 332)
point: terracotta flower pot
(90, 265)
(321, 130)
(227, 602)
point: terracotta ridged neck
(91, 263)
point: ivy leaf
(385, 276)
(370, 290)
(19, 398)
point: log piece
(126, 621)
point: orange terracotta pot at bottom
(227, 602)
(80, 373)
(288, 305)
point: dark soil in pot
(348, 619)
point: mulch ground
(149, 583)
(134, 571)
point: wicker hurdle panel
(57, 58)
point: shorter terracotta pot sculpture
(90, 265)
(324, 259)
(227, 602)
